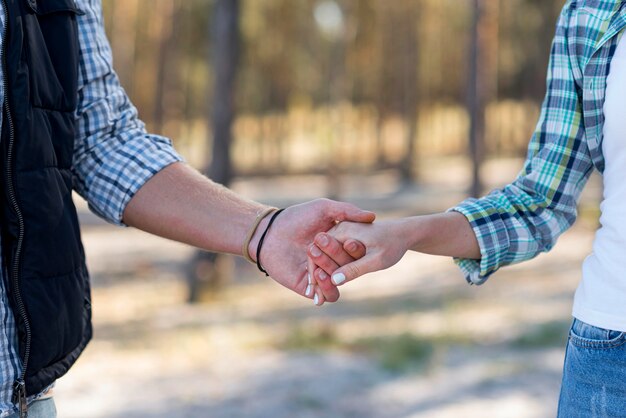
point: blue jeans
(40, 409)
(594, 374)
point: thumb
(341, 211)
(353, 270)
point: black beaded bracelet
(258, 248)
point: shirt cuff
(492, 236)
(124, 171)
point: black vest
(42, 252)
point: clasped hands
(352, 249)
(315, 247)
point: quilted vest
(42, 252)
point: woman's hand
(385, 243)
(447, 234)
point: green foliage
(310, 338)
(398, 353)
(549, 334)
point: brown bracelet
(246, 243)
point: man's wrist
(254, 233)
(256, 237)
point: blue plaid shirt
(113, 157)
(526, 217)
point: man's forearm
(181, 204)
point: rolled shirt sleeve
(113, 154)
(526, 217)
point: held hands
(317, 246)
(339, 252)
(342, 243)
(284, 251)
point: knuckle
(334, 250)
(353, 271)
(378, 261)
(324, 202)
(332, 299)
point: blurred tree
(409, 76)
(168, 34)
(225, 30)
(481, 83)
(206, 267)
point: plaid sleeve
(526, 217)
(113, 154)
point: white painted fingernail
(309, 277)
(316, 299)
(308, 290)
(339, 278)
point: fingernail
(322, 275)
(352, 246)
(339, 278)
(322, 240)
(316, 299)
(308, 275)
(308, 290)
(315, 252)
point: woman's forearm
(447, 234)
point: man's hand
(284, 251)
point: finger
(355, 248)
(318, 298)
(320, 259)
(332, 248)
(341, 211)
(326, 286)
(353, 270)
(310, 289)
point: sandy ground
(412, 341)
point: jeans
(594, 374)
(43, 408)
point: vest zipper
(19, 387)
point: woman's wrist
(446, 234)
(411, 232)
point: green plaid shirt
(526, 217)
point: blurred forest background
(257, 88)
(332, 86)
(403, 107)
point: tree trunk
(225, 60)
(482, 81)
(209, 268)
(169, 12)
(409, 77)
